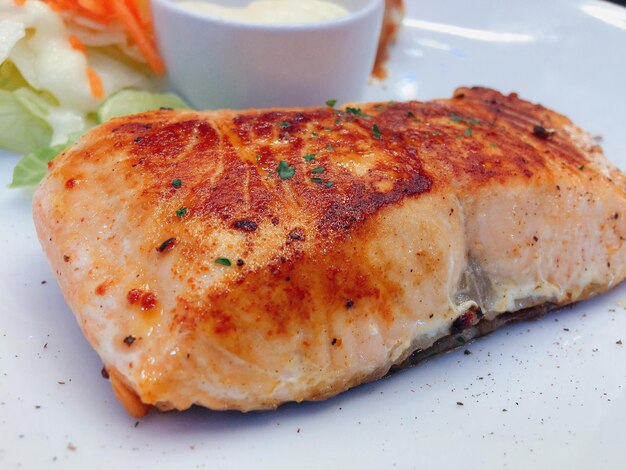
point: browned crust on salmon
(473, 139)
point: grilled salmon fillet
(240, 260)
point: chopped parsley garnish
(357, 112)
(284, 170)
(295, 235)
(182, 212)
(318, 169)
(329, 148)
(493, 144)
(309, 157)
(456, 118)
(223, 261)
(468, 132)
(258, 157)
(177, 183)
(376, 132)
(284, 124)
(331, 103)
(314, 134)
(581, 167)
(317, 180)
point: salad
(68, 65)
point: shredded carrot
(75, 7)
(143, 41)
(76, 44)
(97, 7)
(97, 90)
(134, 15)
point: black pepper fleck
(167, 244)
(542, 132)
(245, 225)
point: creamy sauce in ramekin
(272, 11)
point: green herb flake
(284, 124)
(493, 144)
(456, 118)
(284, 170)
(329, 148)
(223, 261)
(357, 112)
(318, 169)
(376, 132)
(314, 134)
(581, 167)
(317, 180)
(309, 157)
(468, 132)
(177, 183)
(183, 211)
(258, 157)
(331, 103)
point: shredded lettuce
(10, 77)
(20, 130)
(31, 168)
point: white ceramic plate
(547, 394)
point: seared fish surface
(240, 260)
